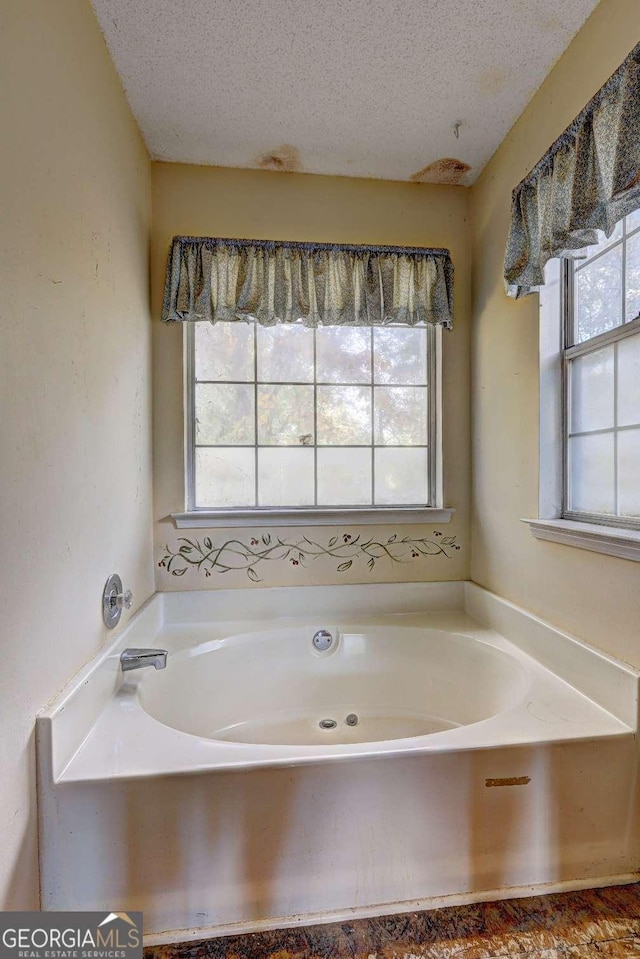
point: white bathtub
(210, 796)
(394, 682)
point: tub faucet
(137, 658)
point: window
(601, 380)
(288, 417)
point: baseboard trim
(384, 909)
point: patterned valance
(314, 283)
(587, 181)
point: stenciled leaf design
(234, 555)
(427, 548)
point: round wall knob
(114, 600)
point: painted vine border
(236, 556)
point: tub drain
(327, 724)
(352, 719)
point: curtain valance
(587, 181)
(313, 283)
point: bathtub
(381, 685)
(446, 746)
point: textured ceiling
(367, 88)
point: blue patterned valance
(313, 283)
(587, 181)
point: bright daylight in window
(602, 380)
(292, 417)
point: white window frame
(612, 535)
(435, 512)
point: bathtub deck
(125, 742)
(575, 925)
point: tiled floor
(574, 925)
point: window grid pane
(299, 400)
(602, 459)
(598, 295)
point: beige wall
(595, 596)
(75, 473)
(211, 201)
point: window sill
(613, 540)
(204, 519)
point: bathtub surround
(591, 595)
(74, 379)
(270, 817)
(200, 201)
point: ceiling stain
(285, 158)
(447, 170)
(492, 81)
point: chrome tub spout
(137, 658)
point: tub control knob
(322, 640)
(114, 600)
(124, 600)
